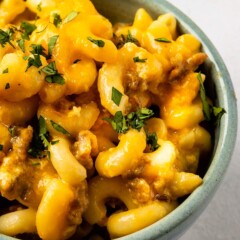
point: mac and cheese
(99, 124)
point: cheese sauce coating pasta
(99, 124)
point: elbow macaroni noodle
(60, 158)
(116, 161)
(129, 220)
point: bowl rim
(170, 226)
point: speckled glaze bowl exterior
(173, 225)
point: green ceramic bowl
(178, 221)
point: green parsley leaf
(28, 28)
(53, 76)
(11, 31)
(1, 147)
(13, 131)
(51, 44)
(5, 37)
(34, 61)
(137, 59)
(39, 7)
(43, 132)
(144, 113)
(116, 96)
(50, 69)
(70, 17)
(152, 141)
(121, 40)
(218, 113)
(131, 39)
(38, 49)
(5, 71)
(118, 122)
(164, 40)
(60, 129)
(57, 20)
(7, 86)
(41, 139)
(57, 78)
(42, 126)
(99, 43)
(136, 120)
(45, 141)
(21, 44)
(210, 112)
(206, 107)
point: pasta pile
(99, 124)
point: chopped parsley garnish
(7, 86)
(38, 49)
(5, 71)
(99, 43)
(1, 147)
(218, 113)
(118, 122)
(70, 17)
(34, 61)
(39, 7)
(53, 76)
(131, 39)
(116, 96)
(210, 112)
(43, 133)
(11, 31)
(136, 120)
(21, 44)
(13, 131)
(50, 69)
(141, 60)
(5, 37)
(206, 106)
(51, 44)
(60, 129)
(57, 21)
(164, 40)
(27, 28)
(152, 141)
(57, 78)
(120, 41)
(41, 139)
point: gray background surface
(220, 20)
